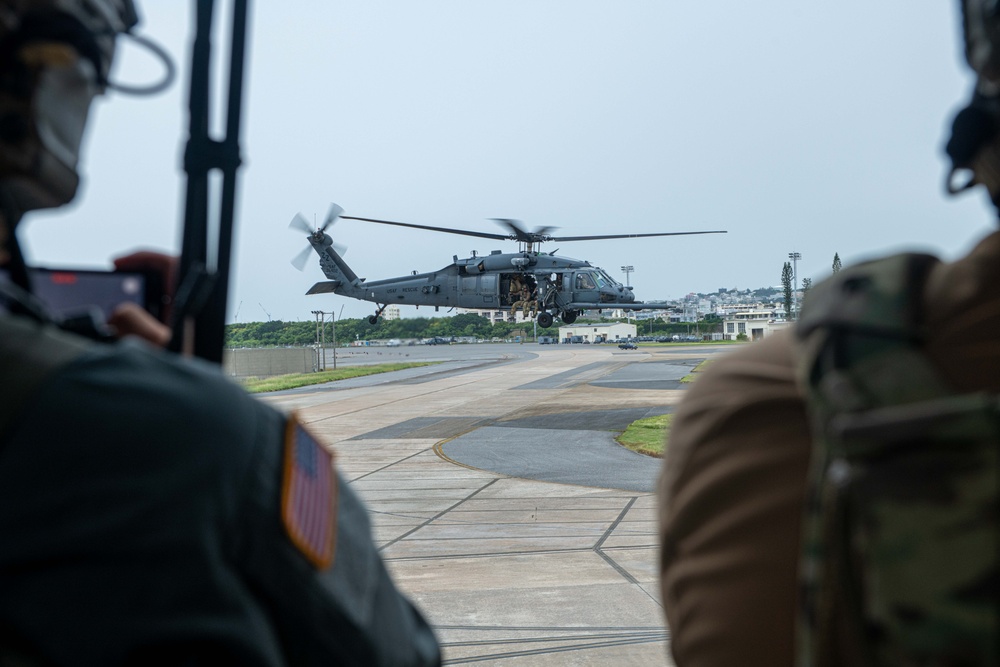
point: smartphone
(68, 292)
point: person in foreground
(151, 512)
(829, 495)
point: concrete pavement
(502, 505)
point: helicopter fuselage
(552, 285)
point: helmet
(981, 27)
(55, 56)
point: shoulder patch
(309, 496)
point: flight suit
(142, 520)
(734, 477)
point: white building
(597, 333)
(495, 316)
(391, 312)
(755, 324)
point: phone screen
(71, 291)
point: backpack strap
(30, 352)
(903, 480)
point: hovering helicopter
(542, 283)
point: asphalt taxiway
(500, 500)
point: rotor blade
(299, 261)
(331, 216)
(463, 232)
(519, 232)
(544, 231)
(627, 236)
(300, 224)
(340, 248)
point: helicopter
(543, 283)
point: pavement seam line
(388, 465)
(557, 649)
(438, 515)
(600, 543)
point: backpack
(900, 554)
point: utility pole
(795, 257)
(333, 326)
(321, 335)
(320, 338)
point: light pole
(627, 270)
(795, 257)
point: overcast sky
(796, 126)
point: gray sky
(796, 126)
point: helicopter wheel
(544, 319)
(373, 319)
(569, 316)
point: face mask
(54, 59)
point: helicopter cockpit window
(608, 280)
(585, 281)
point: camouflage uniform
(516, 290)
(526, 303)
(735, 477)
(900, 545)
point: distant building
(495, 316)
(597, 333)
(391, 312)
(755, 324)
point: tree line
(276, 333)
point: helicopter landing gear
(544, 319)
(373, 319)
(569, 316)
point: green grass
(279, 382)
(647, 436)
(693, 375)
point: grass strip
(295, 380)
(647, 436)
(693, 375)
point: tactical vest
(900, 542)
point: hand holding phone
(133, 300)
(130, 320)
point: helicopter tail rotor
(331, 217)
(300, 260)
(300, 224)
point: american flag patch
(309, 496)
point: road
(499, 499)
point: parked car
(627, 346)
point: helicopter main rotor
(522, 235)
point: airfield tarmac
(499, 499)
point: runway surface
(501, 502)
